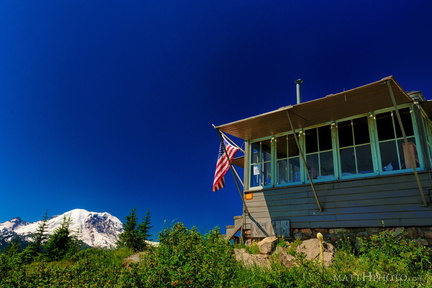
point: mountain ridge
(96, 229)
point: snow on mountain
(12, 224)
(93, 228)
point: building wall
(392, 200)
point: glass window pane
(348, 164)
(325, 139)
(281, 144)
(407, 123)
(326, 163)
(406, 151)
(292, 146)
(260, 163)
(311, 141)
(385, 126)
(389, 156)
(345, 134)
(312, 165)
(361, 131)
(267, 174)
(294, 169)
(255, 176)
(266, 150)
(364, 159)
(282, 172)
(255, 154)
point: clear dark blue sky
(108, 105)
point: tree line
(64, 243)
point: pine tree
(61, 243)
(35, 248)
(134, 235)
(145, 226)
(13, 248)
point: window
(319, 153)
(395, 155)
(428, 127)
(348, 148)
(354, 147)
(287, 160)
(260, 168)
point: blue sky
(109, 105)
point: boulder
(250, 260)
(267, 245)
(311, 248)
(286, 259)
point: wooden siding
(392, 200)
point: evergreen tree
(134, 235)
(35, 248)
(144, 227)
(13, 247)
(61, 243)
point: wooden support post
(304, 163)
(411, 157)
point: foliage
(185, 258)
(35, 248)
(134, 235)
(251, 249)
(395, 254)
(61, 243)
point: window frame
(374, 144)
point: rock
(339, 231)
(286, 259)
(267, 245)
(411, 233)
(135, 258)
(250, 260)
(302, 236)
(311, 248)
(422, 241)
(427, 234)
(373, 230)
(322, 231)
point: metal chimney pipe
(298, 90)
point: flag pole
(232, 169)
(228, 139)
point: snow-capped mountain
(93, 228)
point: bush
(185, 258)
(393, 254)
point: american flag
(222, 164)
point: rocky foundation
(422, 235)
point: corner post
(411, 157)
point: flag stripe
(223, 164)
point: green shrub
(393, 253)
(185, 258)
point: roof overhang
(427, 107)
(367, 98)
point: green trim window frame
(355, 152)
(319, 152)
(428, 127)
(260, 171)
(288, 162)
(360, 146)
(394, 153)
